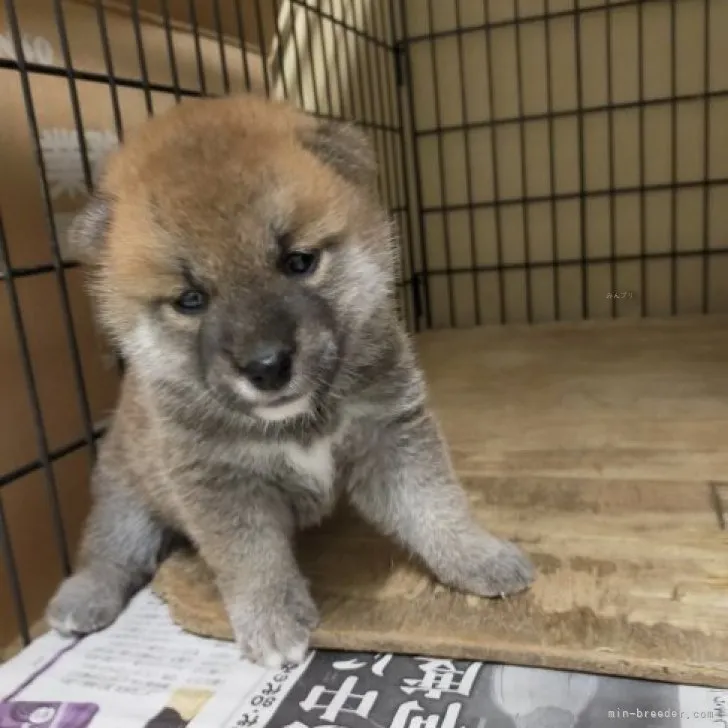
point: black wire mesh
(518, 145)
(400, 71)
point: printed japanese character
(380, 662)
(441, 676)
(403, 718)
(343, 700)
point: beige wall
(610, 222)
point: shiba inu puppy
(240, 259)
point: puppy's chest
(314, 464)
(308, 474)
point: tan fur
(219, 198)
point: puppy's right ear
(87, 233)
(345, 148)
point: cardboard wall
(254, 20)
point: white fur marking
(285, 411)
(297, 653)
(143, 347)
(273, 660)
(315, 461)
(66, 627)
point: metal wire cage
(544, 160)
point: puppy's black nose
(270, 369)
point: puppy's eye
(297, 264)
(191, 301)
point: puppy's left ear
(344, 147)
(86, 235)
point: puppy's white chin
(287, 411)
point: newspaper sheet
(142, 671)
(146, 672)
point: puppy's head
(237, 245)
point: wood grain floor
(603, 449)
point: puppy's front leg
(406, 486)
(119, 552)
(244, 533)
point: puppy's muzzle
(270, 367)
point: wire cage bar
(543, 160)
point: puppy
(239, 258)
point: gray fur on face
(189, 452)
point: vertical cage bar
(381, 136)
(198, 47)
(424, 275)
(706, 159)
(109, 65)
(644, 293)
(358, 57)
(73, 93)
(364, 86)
(279, 47)
(57, 258)
(349, 72)
(405, 181)
(495, 164)
(611, 169)
(327, 81)
(141, 56)
(387, 58)
(468, 162)
(221, 45)
(524, 167)
(337, 64)
(312, 74)
(441, 169)
(170, 50)
(352, 56)
(261, 44)
(388, 109)
(34, 397)
(295, 11)
(582, 162)
(240, 25)
(556, 255)
(11, 568)
(673, 159)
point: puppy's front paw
(499, 570)
(274, 629)
(83, 604)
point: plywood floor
(603, 449)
